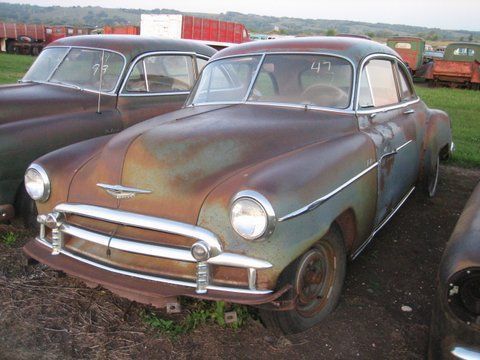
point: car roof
(354, 49)
(133, 45)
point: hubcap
(314, 280)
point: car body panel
(37, 118)
(460, 259)
(315, 166)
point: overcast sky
(445, 14)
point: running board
(381, 225)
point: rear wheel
(317, 279)
(431, 183)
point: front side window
(305, 79)
(162, 74)
(381, 80)
(406, 92)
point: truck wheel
(317, 279)
(27, 209)
(10, 47)
(432, 176)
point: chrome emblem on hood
(122, 192)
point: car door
(157, 83)
(387, 115)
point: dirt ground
(44, 314)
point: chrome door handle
(409, 111)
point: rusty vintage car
(455, 329)
(289, 156)
(64, 98)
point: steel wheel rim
(432, 184)
(314, 280)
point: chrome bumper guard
(56, 222)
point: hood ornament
(122, 192)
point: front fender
(21, 142)
(61, 166)
(290, 182)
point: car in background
(459, 67)
(411, 49)
(289, 156)
(83, 87)
(455, 329)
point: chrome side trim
(381, 225)
(155, 278)
(315, 204)
(143, 221)
(464, 353)
(136, 247)
(394, 152)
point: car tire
(27, 209)
(323, 266)
(431, 178)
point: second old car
(87, 86)
(287, 159)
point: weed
(9, 238)
(201, 313)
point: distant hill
(96, 16)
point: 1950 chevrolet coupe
(286, 160)
(64, 98)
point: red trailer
(30, 39)
(21, 38)
(216, 33)
(124, 30)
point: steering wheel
(324, 95)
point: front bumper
(144, 290)
(47, 248)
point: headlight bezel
(267, 208)
(45, 182)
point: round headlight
(37, 183)
(251, 215)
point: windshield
(77, 67)
(306, 79)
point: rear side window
(381, 80)
(162, 74)
(406, 92)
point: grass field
(12, 67)
(463, 106)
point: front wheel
(317, 279)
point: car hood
(28, 100)
(182, 156)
